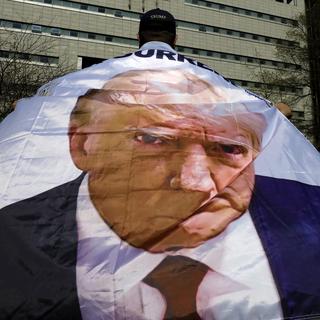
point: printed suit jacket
(38, 246)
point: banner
(150, 187)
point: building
(236, 38)
(313, 24)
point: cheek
(108, 152)
(150, 172)
(225, 173)
(224, 176)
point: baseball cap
(158, 20)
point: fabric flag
(150, 187)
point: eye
(229, 149)
(148, 139)
(232, 148)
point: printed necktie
(178, 279)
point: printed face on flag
(155, 159)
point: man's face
(150, 169)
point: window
(83, 7)
(242, 35)
(118, 14)
(290, 89)
(101, 10)
(298, 114)
(93, 8)
(100, 37)
(4, 54)
(202, 28)
(53, 60)
(55, 32)
(36, 29)
(74, 5)
(47, 1)
(250, 60)
(91, 36)
(248, 13)
(89, 61)
(70, 5)
(229, 32)
(44, 59)
(108, 39)
(16, 25)
(195, 51)
(295, 23)
(25, 56)
(255, 37)
(73, 33)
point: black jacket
(38, 248)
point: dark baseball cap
(158, 20)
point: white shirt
(110, 272)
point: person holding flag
(170, 194)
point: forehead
(163, 87)
(175, 120)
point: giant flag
(150, 187)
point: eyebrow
(166, 132)
(174, 134)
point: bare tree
(26, 62)
(290, 84)
(298, 76)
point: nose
(195, 173)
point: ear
(77, 140)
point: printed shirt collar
(157, 45)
